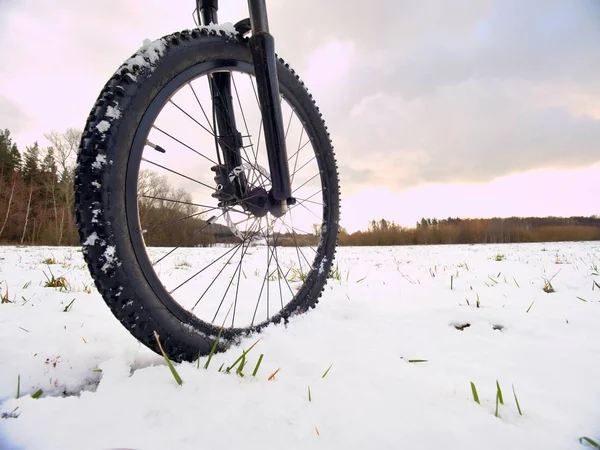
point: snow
(100, 160)
(113, 112)
(91, 239)
(103, 126)
(391, 305)
(226, 27)
(110, 258)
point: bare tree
(12, 191)
(27, 215)
(65, 151)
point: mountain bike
(206, 188)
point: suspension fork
(228, 136)
(262, 46)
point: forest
(37, 208)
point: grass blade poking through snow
(242, 356)
(171, 368)
(257, 365)
(37, 394)
(272, 376)
(475, 396)
(499, 399)
(499, 393)
(309, 396)
(18, 386)
(530, 306)
(517, 401)
(590, 441)
(327, 371)
(214, 347)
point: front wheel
(169, 248)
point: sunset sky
(440, 108)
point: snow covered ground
(391, 306)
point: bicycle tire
(100, 193)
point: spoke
(200, 104)
(180, 174)
(219, 274)
(237, 287)
(309, 210)
(303, 166)
(306, 182)
(187, 114)
(261, 120)
(244, 120)
(161, 225)
(208, 223)
(177, 201)
(298, 151)
(279, 269)
(298, 250)
(290, 122)
(297, 154)
(292, 229)
(206, 267)
(244, 250)
(307, 199)
(263, 286)
(183, 143)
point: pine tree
(10, 158)
(49, 163)
(31, 164)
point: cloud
(11, 116)
(412, 92)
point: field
(392, 357)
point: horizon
(479, 111)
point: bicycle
(130, 156)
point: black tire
(110, 243)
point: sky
(436, 108)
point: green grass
(4, 299)
(18, 386)
(168, 361)
(499, 399)
(182, 264)
(68, 307)
(499, 257)
(548, 288)
(298, 275)
(56, 282)
(37, 394)
(309, 396)
(475, 395)
(589, 441)
(242, 356)
(517, 401)
(327, 371)
(255, 371)
(334, 273)
(528, 309)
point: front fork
(262, 46)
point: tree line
(476, 231)
(37, 208)
(37, 199)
